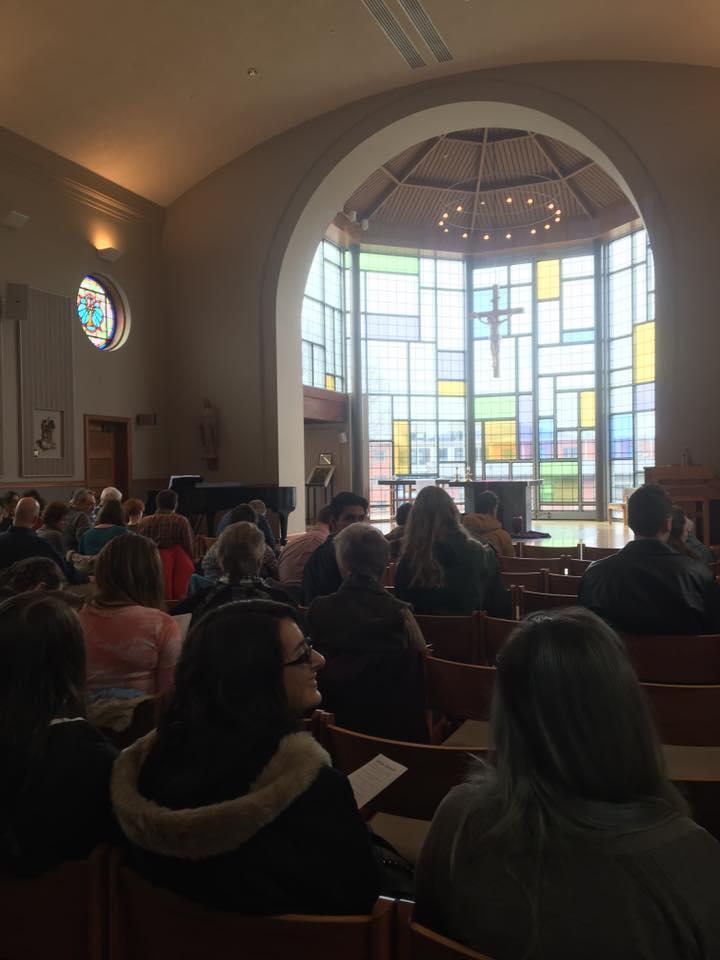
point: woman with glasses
(229, 802)
(573, 844)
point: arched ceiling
(479, 189)
(155, 94)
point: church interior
(381, 246)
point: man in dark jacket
(647, 587)
(322, 574)
(21, 541)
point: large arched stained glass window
(97, 313)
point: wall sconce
(13, 219)
(111, 254)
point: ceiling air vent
(426, 28)
(395, 33)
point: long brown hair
(128, 571)
(434, 517)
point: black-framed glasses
(305, 656)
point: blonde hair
(240, 550)
(434, 517)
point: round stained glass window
(97, 312)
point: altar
(515, 498)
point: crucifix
(493, 318)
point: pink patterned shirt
(130, 646)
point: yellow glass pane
(500, 440)
(401, 447)
(644, 353)
(548, 279)
(451, 388)
(329, 381)
(587, 408)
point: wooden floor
(568, 533)
(595, 533)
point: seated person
(229, 802)
(21, 541)
(82, 508)
(54, 521)
(239, 553)
(700, 549)
(442, 570)
(35, 495)
(373, 678)
(295, 553)
(134, 509)
(321, 575)
(110, 523)
(242, 513)
(398, 531)
(264, 524)
(33, 573)
(108, 494)
(7, 509)
(131, 644)
(165, 527)
(647, 587)
(484, 525)
(55, 767)
(572, 844)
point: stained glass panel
(96, 311)
(323, 320)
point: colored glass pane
(401, 448)
(96, 312)
(329, 381)
(644, 353)
(494, 408)
(387, 263)
(587, 408)
(548, 279)
(451, 388)
(559, 482)
(500, 442)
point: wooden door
(107, 453)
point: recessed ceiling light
(446, 230)
(253, 72)
(530, 201)
(508, 199)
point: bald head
(26, 512)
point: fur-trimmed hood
(208, 831)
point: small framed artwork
(321, 475)
(325, 459)
(47, 434)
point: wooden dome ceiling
(504, 181)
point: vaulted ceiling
(156, 94)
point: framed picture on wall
(48, 434)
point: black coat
(649, 588)
(282, 838)
(321, 575)
(64, 811)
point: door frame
(125, 478)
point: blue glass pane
(645, 396)
(578, 336)
(388, 327)
(621, 436)
(546, 432)
(451, 366)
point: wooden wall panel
(45, 363)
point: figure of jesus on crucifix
(493, 318)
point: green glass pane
(386, 263)
(494, 408)
(560, 478)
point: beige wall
(227, 237)
(326, 438)
(70, 209)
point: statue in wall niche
(47, 434)
(209, 434)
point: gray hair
(362, 551)
(240, 550)
(110, 493)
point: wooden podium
(515, 498)
(697, 491)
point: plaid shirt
(167, 530)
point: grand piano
(197, 498)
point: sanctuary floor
(568, 533)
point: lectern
(515, 498)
